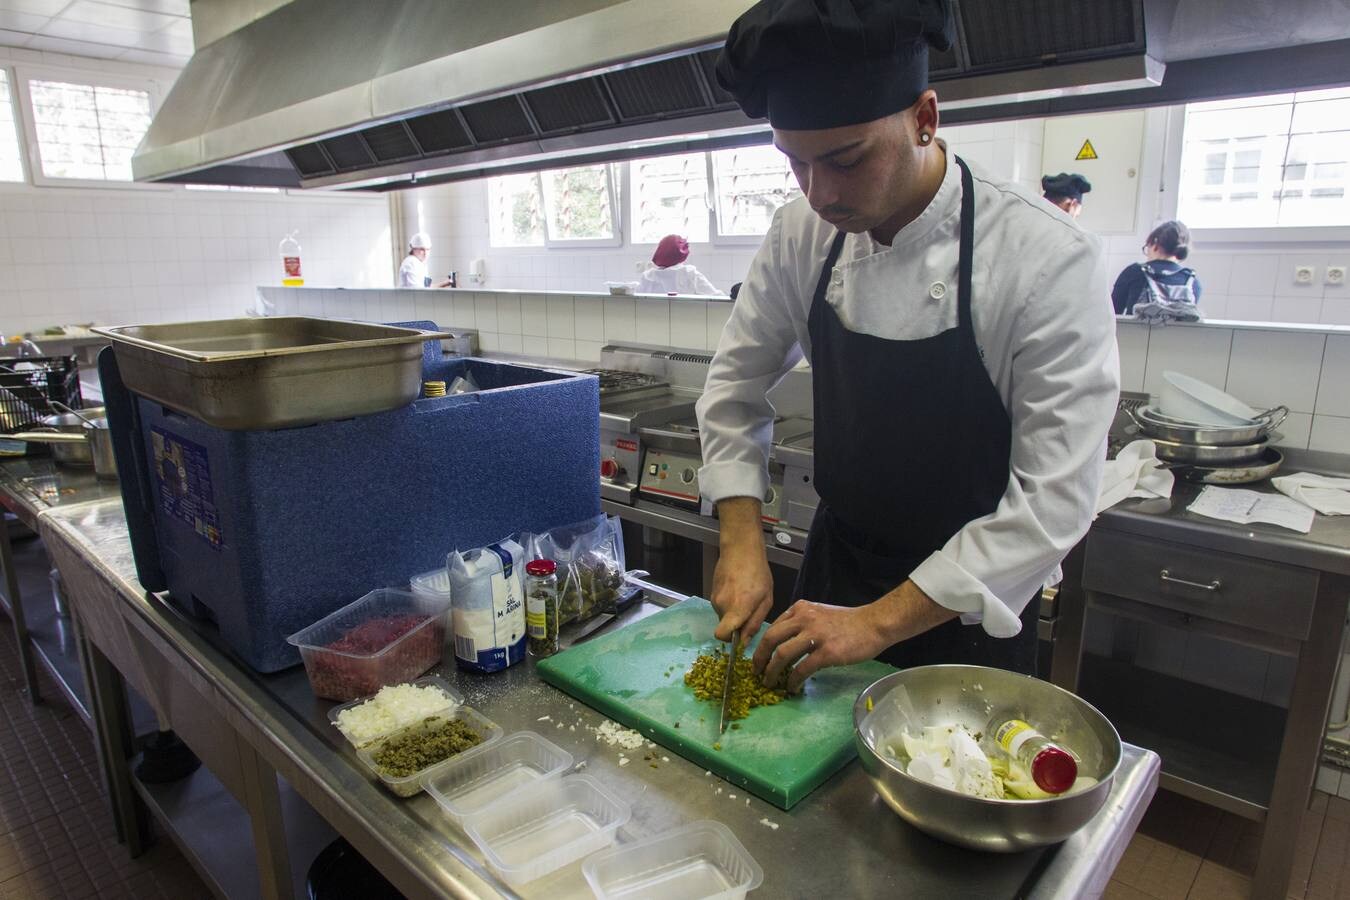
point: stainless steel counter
(840, 835)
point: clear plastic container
(435, 585)
(372, 648)
(539, 831)
(408, 785)
(484, 776)
(698, 860)
(453, 699)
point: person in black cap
(1066, 191)
(964, 367)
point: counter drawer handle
(1212, 586)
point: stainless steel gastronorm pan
(273, 372)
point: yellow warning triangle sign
(1087, 151)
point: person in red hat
(670, 274)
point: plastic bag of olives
(590, 562)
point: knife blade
(726, 681)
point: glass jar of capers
(541, 606)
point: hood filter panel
(391, 142)
(1003, 32)
(668, 87)
(497, 121)
(569, 106)
(439, 132)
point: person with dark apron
(959, 432)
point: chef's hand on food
(742, 583)
(811, 636)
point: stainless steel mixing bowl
(971, 695)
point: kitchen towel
(1135, 472)
(1329, 496)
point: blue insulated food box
(265, 532)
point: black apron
(911, 443)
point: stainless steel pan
(1258, 470)
(1153, 424)
(1212, 454)
(78, 439)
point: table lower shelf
(1216, 747)
(214, 832)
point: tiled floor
(1188, 851)
(56, 834)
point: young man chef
(963, 357)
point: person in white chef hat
(964, 366)
(413, 272)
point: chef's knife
(726, 682)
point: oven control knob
(687, 475)
(609, 468)
(769, 496)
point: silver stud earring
(925, 138)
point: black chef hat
(1069, 185)
(812, 64)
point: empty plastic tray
(484, 776)
(409, 785)
(543, 829)
(697, 861)
(453, 698)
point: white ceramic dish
(1192, 400)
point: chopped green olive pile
(709, 672)
(434, 740)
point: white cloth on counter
(1135, 472)
(1245, 507)
(1047, 340)
(1329, 496)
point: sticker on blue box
(183, 482)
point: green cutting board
(780, 753)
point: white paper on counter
(1329, 496)
(1246, 507)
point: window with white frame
(514, 211)
(11, 156)
(233, 188)
(579, 204)
(1281, 160)
(669, 196)
(751, 183)
(86, 132)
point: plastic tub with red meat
(386, 637)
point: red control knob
(609, 468)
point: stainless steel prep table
(249, 727)
(30, 485)
(1258, 585)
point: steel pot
(1154, 424)
(78, 440)
(1212, 454)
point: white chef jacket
(1044, 329)
(681, 278)
(413, 272)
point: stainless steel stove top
(616, 382)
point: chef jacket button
(937, 290)
(837, 276)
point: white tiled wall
(560, 326)
(144, 255)
(147, 253)
(1306, 369)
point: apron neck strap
(966, 264)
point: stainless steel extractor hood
(388, 95)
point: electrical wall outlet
(1336, 275)
(1305, 274)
